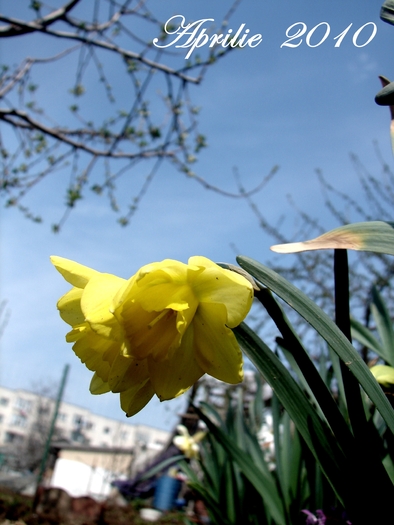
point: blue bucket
(166, 492)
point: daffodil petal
(69, 307)
(217, 285)
(175, 375)
(126, 371)
(98, 386)
(180, 442)
(74, 273)
(149, 276)
(77, 332)
(217, 350)
(198, 261)
(148, 333)
(184, 319)
(134, 399)
(96, 302)
(91, 350)
(181, 429)
(384, 375)
(164, 271)
(163, 285)
(199, 436)
(187, 444)
(166, 296)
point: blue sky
(300, 108)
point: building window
(89, 425)
(61, 416)
(1, 418)
(11, 437)
(19, 420)
(78, 437)
(142, 437)
(44, 410)
(106, 430)
(78, 419)
(4, 401)
(23, 404)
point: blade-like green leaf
(374, 236)
(303, 382)
(162, 466)
(384, 325)
(335, 362)
(228, 489)
(387, 12)
(292, 457)
(389, 466)
(263, 482)
(321, 322)
(303, 363)
(310, 426)
(347, 476)
(256, 407)
(212, 504)
(211, 463)
(363, 335)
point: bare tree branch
(158, 123)
(312, 271)
(17, 27)
(23, 120)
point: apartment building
(88, 451)
(23, 413)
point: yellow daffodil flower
(157, 332)
(384, 375)
(188, 444)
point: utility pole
(50, 432)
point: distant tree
(34, 445)
(30, 449)
(372, 199)
(4, 316)
(142, 106)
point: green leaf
(308, 374)
(263, 481)
(161, 466)
(292, 464)
(229, 488)
(256, 407)
(321, 322)
(213, 506)
(309, 424)
(384, 325)
(336, 367)
(289, 356)
(363, 335)
(387, 12)
(347, 475)
(389, 466)
(374, 236)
